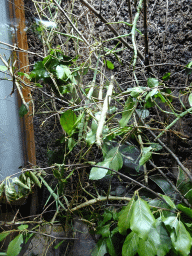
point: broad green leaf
(163, 184)
(159, 237)
(98, 173)
(190, 99)
(4, 234)
(115, 158)
(110, 246)
(63, 72)
(146, 150)
(181, 240)
(23, 110)
(107, 215)
(3, 68)
(136, 91)
(104, 231)
(127, 112)
(185, 209)
(68, 120)
(151, 94)
(169, 201)
(183, 183)
(166, 76)
(142, 219)
(19, 183)
(146, 248)
(130, 245)
(152, 82)
(22, 227)
(110, 65)
(125, 217)
(156, 146)
(14, 247)
(101, 248)
(144, 158)
(171, 223)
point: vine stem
(99, 199)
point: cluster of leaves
(15, 245)
(146, 232)
(12, 189)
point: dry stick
(85, 3)
(146, 62)
(104, 112)
(16, 48)
(130, 10)
(73, 26)
(99, 199)
(134, 63)
(169, 150)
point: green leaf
(156, 146)
(142, 219)
(185, 209)
(68, 120)
(151, 94)
(146, 248)
(171, 222)
(190, 99)
(19, 183)
(130, 245)
(23, 110)
(166, 76)
(110, 247)
(101, 248)
(181, 240)
(22, 227)
(110, 65)
(152, 82)
(113, 160)
(57, 245)
(63, 72)
(169, 201)
(3, 68)
(107, 215)
(125, 217)
(144, 158)
(104, 231)
(34, 178)
(159, 237)
(99, 173)
(163, 184)
(129, 108)
(4, 234)
(136, 91)
(14, 247)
